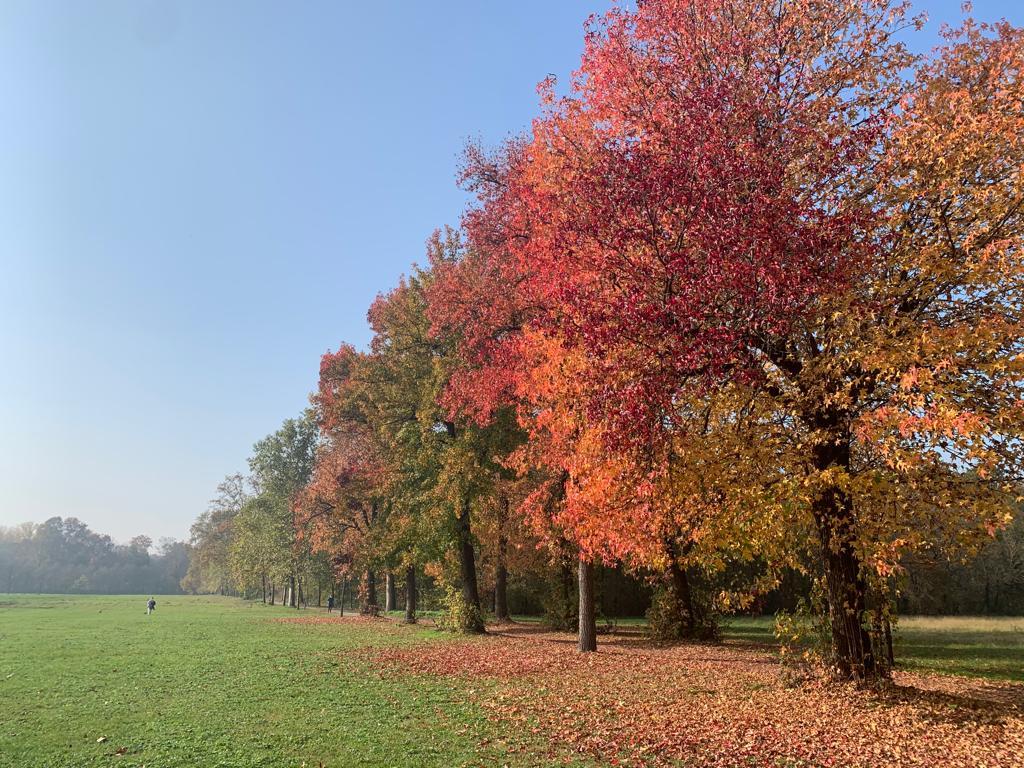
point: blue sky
(198, 199)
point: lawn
(977, 646)
(207, 681)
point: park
(92, 681)
(684, 429)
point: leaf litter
(636, 703)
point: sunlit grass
(208, 681)
(977, 646)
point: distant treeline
(64, 556)
(991, 582)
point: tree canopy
(746, 301)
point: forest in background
(63, 556)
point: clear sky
(197, 199)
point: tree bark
(292, 598)
(501, 576)
(410, 595)
(679, 583)
(845, 587)
(273, 592)
(467, 563)
(588, 618)
(341, 603)
(390, 599)
(264, 579)
(501, 592)
(370, 590)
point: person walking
(150, 606)
(330, 603)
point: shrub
(667, 624)
(664, 623)
(457, 615)
(560, 612)
(805, 635)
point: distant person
(330, 603)
(150, 606)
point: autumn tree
(260, 553)
(281, 465)
(211, 538)
(448, 465)
(591, 498)
(438, 469)
(756, 194)
(344, 505)
(508, 373)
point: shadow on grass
(987, 654)
(967, 705)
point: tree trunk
(319, 591)
(390, 599)
(844, 583)
(679, 583)
(341, 603)
(264, 579)
(679, 586)
(467, 564)
(291, 592)
(501, 577)
(302, 596)
(273, 592)
(501, 593)
(410, 595)
(588, 619)
(370, 591)
(467, 558)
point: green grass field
(208, 681)
(975, 646)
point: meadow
(975, 646)
(211, 681)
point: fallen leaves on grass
(336, 620)
(634, 703)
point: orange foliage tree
(742, 203)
